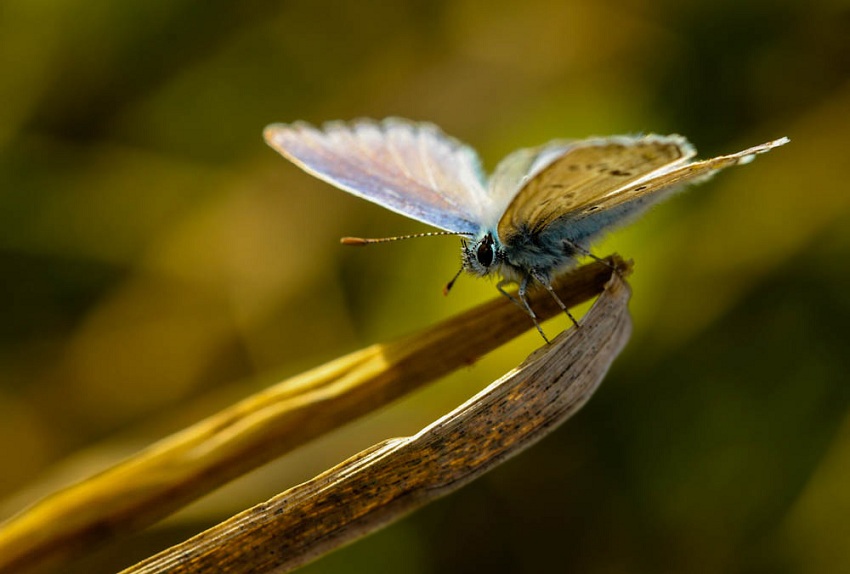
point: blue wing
(411, 168)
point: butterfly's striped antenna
(360, 241)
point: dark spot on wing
(592, 208)
(640, 188)
(620, 172)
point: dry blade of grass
(179, 469)
(383, 483)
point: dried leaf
(181, 468)
(383, 483)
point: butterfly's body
(535, 215)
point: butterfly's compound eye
(485, 251)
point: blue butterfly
(527, 222)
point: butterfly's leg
(501, 287)
(543, 281)
(523, 286)
(576, 247)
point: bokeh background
(158, 261)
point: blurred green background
(159, 262)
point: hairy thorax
(543, 256)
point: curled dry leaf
(183, 467)
(385, 482)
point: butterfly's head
(483, 255)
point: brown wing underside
(563, 191)
(587, 174)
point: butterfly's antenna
(451, 283)
(360, 241)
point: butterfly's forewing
(584, 174)
(411, 168)
(669, 180)
(512, 173)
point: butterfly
(533, 218)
